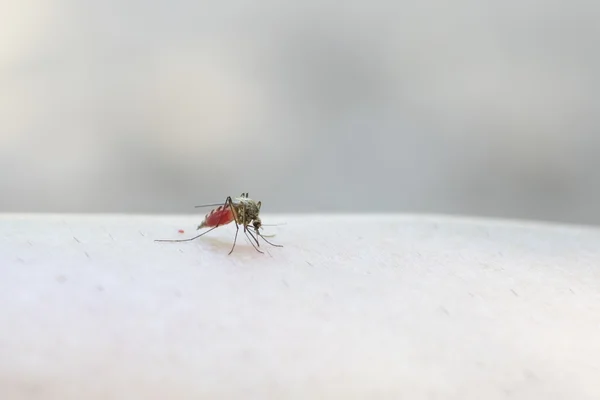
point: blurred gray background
(463, 107)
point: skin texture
(353, 307)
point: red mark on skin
(181, 231)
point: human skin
(353, 306)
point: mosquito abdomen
(219, 216)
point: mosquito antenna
(273, 235)
(283, 223)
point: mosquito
(240, 210)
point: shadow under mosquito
(222, 244)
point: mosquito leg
(272, 244)
(251, 236)
(186, 240)
(237, 229)
(216, 204)
(246, 230)
(229, 202)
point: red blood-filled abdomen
(218, 216)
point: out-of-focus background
(463, 107)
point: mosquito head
(257, 224)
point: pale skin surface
(351, 307)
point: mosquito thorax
(247, 209)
